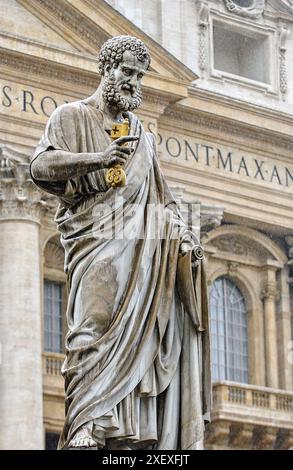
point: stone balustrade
(243, 414)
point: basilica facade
(219, 99)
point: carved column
(21, 403)
(269, 296)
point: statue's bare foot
(82, 439)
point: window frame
(58, 276)
(228, 337)
(249, 29)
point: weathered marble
(137, 369)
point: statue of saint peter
(137, 371)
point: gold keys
(115, 176)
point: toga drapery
(137, 349)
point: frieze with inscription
(14, 98)
(28, 102)
(219, 159)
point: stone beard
(113, 97)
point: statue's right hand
(116, 154)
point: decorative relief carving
(283, 32)
(54, 255)
(247, 8)
(232, 267)
(19, 196)
(232, 245)
(203, 36)
(270, 292)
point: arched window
(229, 339)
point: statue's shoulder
(66, 110)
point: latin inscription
(233, 162)
(27, 101)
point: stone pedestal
(21, 404)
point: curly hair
(113, 49)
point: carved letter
(188, 147)
(176, 155)
(288, 175)
(226, 162)
(243, 166)
(43, 103)
(275, 174)
(258, 171)
(28, 94)
(208, 148)
(6, 102)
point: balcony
(243, 417)
(53, 391)
(250, 417)
(53, 382)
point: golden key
(115, 176)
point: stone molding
(226, 126)
(254, 10)
(88, 35)
(62, 11)
(242, 413)
(19, 196)
(49, 70)
(251, 237)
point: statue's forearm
(58, 165)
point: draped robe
(137, 364)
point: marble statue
(137, 367)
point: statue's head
(123, 61)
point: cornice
(88, 24)
(205, 120)
(237, 104)
(43, 68)
(170, 63)
(158, 90)
(81, 31)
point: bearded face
(124, 96)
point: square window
(240, 52)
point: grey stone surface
(137, 351)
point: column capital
(270, 291)
(19, 196)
